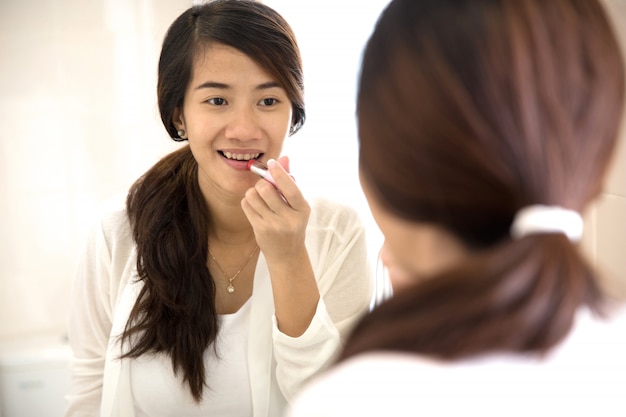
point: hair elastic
(547, 219)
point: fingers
(265, 199)
(276, 194)
(284, 162)
(285, 183)
(275, 223)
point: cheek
(399, 278)
(280, 125)
(202, 128)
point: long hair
(175, 312)
(469, 110)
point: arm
(279, 221)
(320, 274)
(338, 250)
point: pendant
(230, 289)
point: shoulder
(372, 384)
(113, 218)
(333, 225)
(593, 341)
(110, 230)
(391, 366)
(329, 213)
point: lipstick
(261, 170)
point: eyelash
(222, 101)
(212, 101)
(274, 101)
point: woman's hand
(278, 215)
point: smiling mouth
(240, 156)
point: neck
(228, 224)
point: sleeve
(89, 326)
(345, 281)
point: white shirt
(584, 376)
(105, 290)
(157, 391)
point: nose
(243, 124)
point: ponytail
(175, 311)
(519, 297)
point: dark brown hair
(175, 311)
(469, 110)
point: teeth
(241, 156)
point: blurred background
(80, 123)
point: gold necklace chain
(231, 288)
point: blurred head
(248, 26)
(469, 110)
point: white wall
(80, 123)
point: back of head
(468, 111)
(483, 107)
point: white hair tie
(547, 219)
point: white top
(583, 376)
(105, 291)
(228, 387)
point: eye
(217, 101)
(268, 102)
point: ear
(178, 119)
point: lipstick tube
(261, 170)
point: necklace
(231, 288)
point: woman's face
(411, 251)
(233, 111)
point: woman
(215, 292)
(486, 129)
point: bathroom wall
(80, 124)
(605, 233)
(79, 121)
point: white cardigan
(104, 293)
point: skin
(412, 251)
(234, 110)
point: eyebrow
(222, 86)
